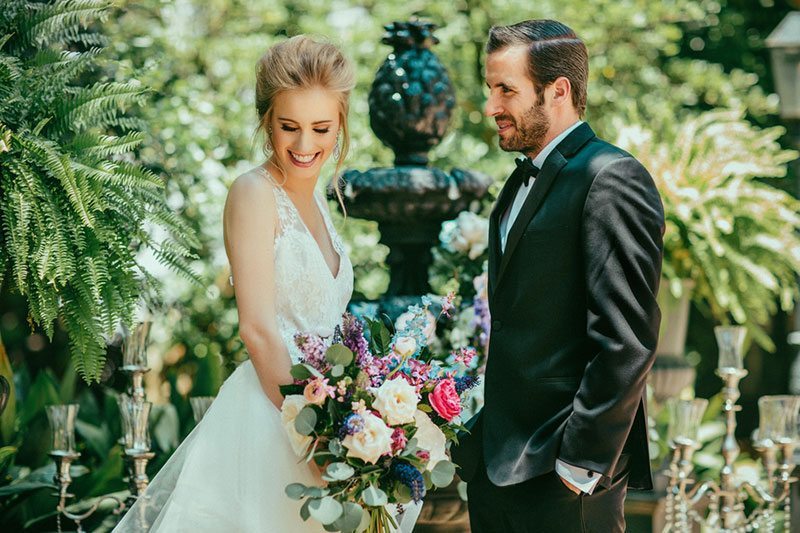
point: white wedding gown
(230, 472)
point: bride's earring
(337, 150)
(268, 143)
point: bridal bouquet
(376, 411)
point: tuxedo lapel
(504, 199)
(545, 179)
(552, 166)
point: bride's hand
(318, 470)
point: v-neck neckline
(328, 227)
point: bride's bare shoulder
(251, 187)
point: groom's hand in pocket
(569, 485)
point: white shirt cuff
(585, 480)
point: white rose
(292, 405)
(474, 232)
(397, 401)
(370, 443)
(430, 438)
(405, 346)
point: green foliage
(732, 234)
(74, 209)
(199, 58)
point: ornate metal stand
(410, 104)
(134, 411)
(721, 502)
(62, 421)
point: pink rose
(399, 440)
(444, 399)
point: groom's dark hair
(555, 50)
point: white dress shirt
(584, 479)
(511, 214)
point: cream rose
(396, 400)
(405, 346)
(292, 405)
(370, 443)
(430, 438)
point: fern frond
(61, 22)
(99, 105)
(75, 207)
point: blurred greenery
(648, 68)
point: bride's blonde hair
(304, 63)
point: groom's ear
(560, 92)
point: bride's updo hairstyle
(304, 63)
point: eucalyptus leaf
(304, 513)
(303, 371)
(317, 492)
(350, 519)
(337, 371)
(296, 491)
(340, 471)
(339, 354)
(335, 447)
(374, 497)
(443, 473)
(325, 510)
(306, 421)
(300, 372)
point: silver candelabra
(718, 505)
(134, 411)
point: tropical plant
(74, 208)
(727, 230)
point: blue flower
(465, 383)
(411, 478)
(352, 424)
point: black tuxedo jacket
(574, 320)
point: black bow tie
(525, 170)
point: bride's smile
(304, 125)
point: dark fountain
(410, 105)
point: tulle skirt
(230, 473)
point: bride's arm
(250, 222)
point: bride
(290, 273)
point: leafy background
(652, 63)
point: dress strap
(338, 245)
(286, 213)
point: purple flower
(313, 348)
(353, 338)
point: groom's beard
(529, 131)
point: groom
(575, 258)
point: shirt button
(497, 325)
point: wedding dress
(230, 473)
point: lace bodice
(308, 297)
